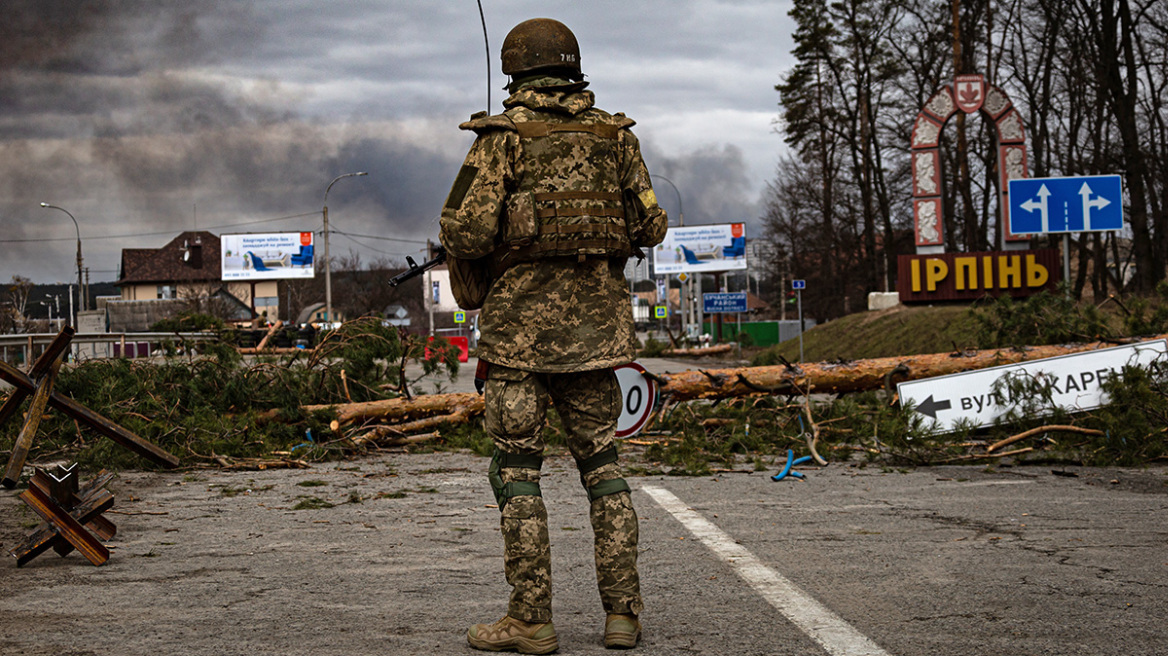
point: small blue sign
(724, 302)
(460, 317)
(1092, 203)
(798, 284)
(661, 312)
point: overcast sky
(144, 118)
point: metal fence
(19, 350)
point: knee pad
(607, 486)
(504, 491)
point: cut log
(697, 352)
(431, 410)
(853, 376)
(388, 436)
(402, 409)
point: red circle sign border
(639, 423)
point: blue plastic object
(791, 462)
(311, 442)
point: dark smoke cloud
(155, 116)
(105, 113)
(713, 182)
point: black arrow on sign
(930, 407)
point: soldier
(551, 201)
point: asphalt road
(928, 562)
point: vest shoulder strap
(480, 123)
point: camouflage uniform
(557, 316)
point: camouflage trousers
(589, 404)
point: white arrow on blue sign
(1092, 203)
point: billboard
(697, 249)
(266, 256)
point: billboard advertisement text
(697, 249)
(267, 256)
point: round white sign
(638, 394)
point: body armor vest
(568, 201)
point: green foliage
(1134, 421)
(1148, 315)
(312, 503)
(1038, 320)
(653, 348)
(221, 404)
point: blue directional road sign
(798, 284)
(724, 302)
(1091, 203)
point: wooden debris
(389, 436)
(38, 383)
(457, 405)
(259, 464)
(405, 416)
(698, 352)
(36, 412)
(854, 376)
(71, 514)
(982, 456)
(262, 347)
(1042, 429)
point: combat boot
(621, 631)
(510, 634)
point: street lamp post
(80, 286)
(680, 209)
(686, 287)
(328, 265)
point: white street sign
(1074, 381)
(639, 393)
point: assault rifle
(438, 256)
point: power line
(376, 250)
(404, 241)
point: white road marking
(832, 633)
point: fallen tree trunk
(426, 412)
(849, 376)
(698, 352)
(463, 405)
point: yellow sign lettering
(1009, 271)
(1036, 274)
(916, 276)
(935, 272)
(965, 272)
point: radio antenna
(487, 43)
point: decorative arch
(969, 94)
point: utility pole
(328, 265)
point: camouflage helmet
(541, 44)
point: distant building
(317, 314)
(187, 272)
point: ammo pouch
(521, 225)
(470, 280)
